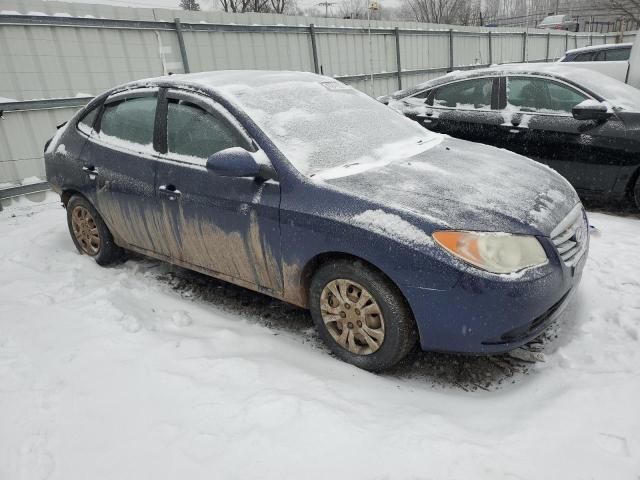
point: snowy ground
(143, 371)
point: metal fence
(66, 53)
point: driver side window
(196, 133)
(532, 94)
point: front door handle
(170, 191)
(512, 128)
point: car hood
(467, 186)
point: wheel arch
(312, 266)
(66, 195)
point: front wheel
(89, 233)
(360, 315)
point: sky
(204, 4)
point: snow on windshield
(327, 126)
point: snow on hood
(468, 186)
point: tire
(89, 233)
(394, 320)
(636, 193)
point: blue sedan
(300, 187)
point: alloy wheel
(85, 230)
(352, 316)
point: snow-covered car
(581, 123)
(611, 60)
(559, 22)
(302, 188)
(613, 52)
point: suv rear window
(617, 54)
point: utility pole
(326, 4)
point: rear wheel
(361, 315)
(89, 232)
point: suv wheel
(360, 315)
(89, 232)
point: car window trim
(432, 94)
(98, 109)
(206, 103)
(550, 79)
(133, 93)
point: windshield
(324, 125)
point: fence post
(525, 36)
(183, 50)
(566, 42)
(590, 38)
(490, 49)
(546, 57)
(398, 64)
(314, 48)
(451, 50)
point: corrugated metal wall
(40, 61)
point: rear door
(465, 109)
(119, 156)
(226, 225)
(540, 125)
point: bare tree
(287, 7)
(353, 9)
(629, 8)
(189, 5)
(243, 6)
(442, 11)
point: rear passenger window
(197, 133)
(583, 57)
(617, 54)
(130, 121)
(85, 125)
(469, 94)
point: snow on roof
(617, 93)
(610, 46)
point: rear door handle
(91, 171)
(169, 191)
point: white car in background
(620, 61)
(559, 22)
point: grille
(571, 236)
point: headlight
(494, 252)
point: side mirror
(591, 110)
(237, 162)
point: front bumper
(486, 314)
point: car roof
(554, 19)
(591, 48)
(251, 78)
(595, 83)
(544, 69)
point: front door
(119, 157)
(226, 225)
(585, 152)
